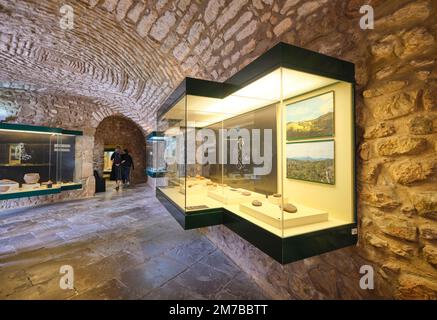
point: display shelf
(40, 191)
(273, 215)
(228, 196)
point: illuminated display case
(269, 153)
(156, 145)
(37, 161)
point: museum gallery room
(218, 150)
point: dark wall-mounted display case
(269, 153)
(37, 160)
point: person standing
(116, 167)
(127, 163)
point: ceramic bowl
(31, 178)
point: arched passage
(120, 131)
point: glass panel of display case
(155, 149)
(173, 125)
(231, 151)
(316, 153)
(27, 161)
(204, 171)
(68, 155)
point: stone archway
(118, 130)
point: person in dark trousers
(126, 163)
(116, 167)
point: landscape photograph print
(311, 161)
(311, 118)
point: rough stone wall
(117, 130)
(133, 52)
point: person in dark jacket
(126, 163)
(116, 167)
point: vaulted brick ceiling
(130, 54)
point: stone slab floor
(121, 246)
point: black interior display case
(37, 160)
(269, 153)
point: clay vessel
(31, 178)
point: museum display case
(37, 160)
(107, 162)
(156, 144)
(269, 153)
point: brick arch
(119, 130)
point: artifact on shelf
(7, 185)
(277, 199)
(257, 203)
(288, 207)
(48, 184)
(31, 178)
(246, 193)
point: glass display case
(156, 144)
(37, 160)
(107, 162)
(269, 153)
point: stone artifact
(277, 195)
(257, 203)
(31, 178)
(48, 184)
(246, 193)
(232, 189)
(288, 207)
(8, 185)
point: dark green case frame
(26, 127)
(283, 250)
